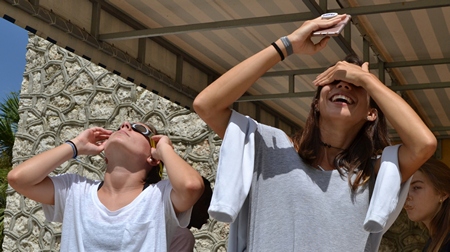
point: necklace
(330, 146)
(320, 167)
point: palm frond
(9, 108)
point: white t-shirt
(146, 224)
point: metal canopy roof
(406, 42)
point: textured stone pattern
(404, 236)
(63, 94)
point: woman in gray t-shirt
(344, 135)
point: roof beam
(397, 64)
(276, 19)
(391, 7)
(236, 23)
(247, 98)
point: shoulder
(270, 134)
(389, 154)
(69, 179)
(162, 187)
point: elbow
(430, 146)
(427, 148)
(13, 178)
(195, 188)
(200, 106)
(204, 108)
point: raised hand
(301, 38)
(92, 141)
(343, 71)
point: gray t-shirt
(295, 207)
(275, 202)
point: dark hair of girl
(438, 174)
(359, 157)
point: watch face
(329, 15)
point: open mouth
(341, 99)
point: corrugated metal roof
(406, 42)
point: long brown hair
(438, 174)
(358, 158)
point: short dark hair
(200, 214)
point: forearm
(410, 127)
(213, 103)
(186, 182)
(36, 169)
(418, 142)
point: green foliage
(9, 119)
(5, 167)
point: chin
(412, 217)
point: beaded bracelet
(74, 148)
(278, 50)
(287, 44)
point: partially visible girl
(428, 203)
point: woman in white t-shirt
(129, 210)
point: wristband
(74, 148)
(287, 44)
(278, 50)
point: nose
(408, 198)
(344, 85)
(125, 125)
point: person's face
(133, 137)
(423, 200)
(344, 101)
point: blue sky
(13, 43)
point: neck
(427, 225)
(325, 160)
(119, 178)
(334, 135)
(330, 146)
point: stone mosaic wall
(63, 94)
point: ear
(372, 114)
(444, 196)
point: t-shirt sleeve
(63, 184)
(389, 194)
(181, 219)
(235, 168)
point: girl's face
(423, 200)
(344, 101)
(131, 139)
